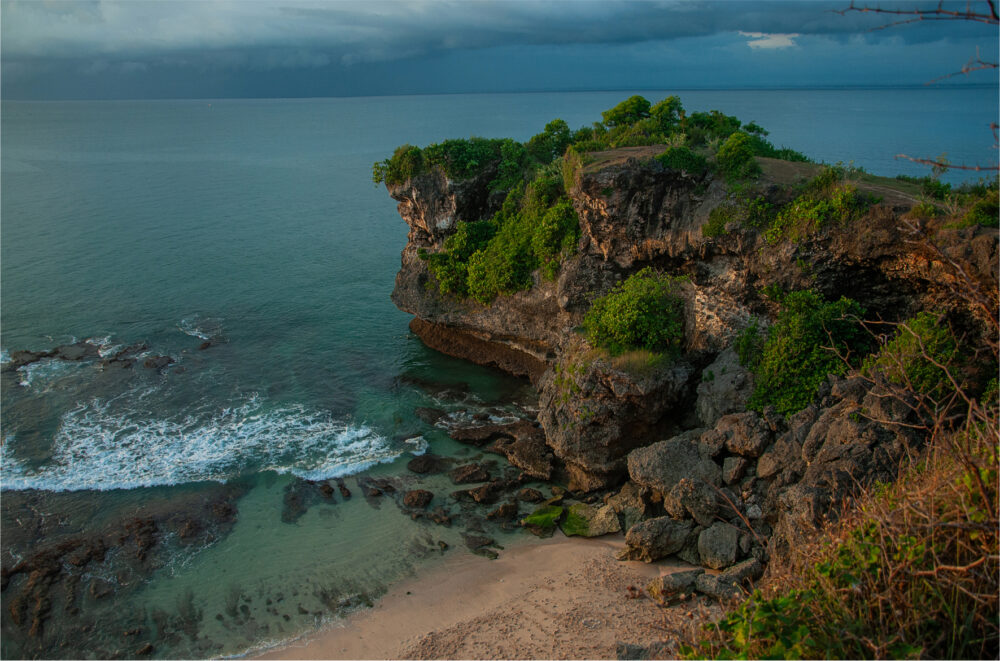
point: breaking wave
(100, 448)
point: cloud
(380, 30)
(767, 41)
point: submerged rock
(418, 498)
(470, 473)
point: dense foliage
(643, 312)
(918, 355)
(795, 357)
(682, 158)
(537, 227)
(736, 157)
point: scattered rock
(529, 495)
(506, 512)
(439, 516)
(743, 573)
(345, 493)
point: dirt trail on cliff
(557, 599)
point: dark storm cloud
(117, 44)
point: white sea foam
(202, 328)
(4, 356)
(98, 447)
(105, 347)
(41, 375)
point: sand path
(561, 598)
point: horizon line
(779, 88)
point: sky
(126, 49)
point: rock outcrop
(703, 477)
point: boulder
(725, 388)
(589, 521)
(717, 545)
(629, 504)
(695, 498)
(743, 573)
(668, 587)
(733, 469)
(656, 538)
(747, 434)
(525, 448)
(593, 413)
(662, 465)
(717, 588)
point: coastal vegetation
(643, 312)
(536, 227)
(793, 358)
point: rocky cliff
(722, 479)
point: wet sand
(560, 598)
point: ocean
(253, 227)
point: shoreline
(564, 597)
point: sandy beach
(559, 598)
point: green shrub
(682, 158)
(667, 112)
(551, 143)
(749, 345)
(984, 211)
(735, 158)
(909, 358)
(643, 312)
(718, 218)
(794, 360)
(406, 162)
(555, 236)
(629, 111)
(458, 159)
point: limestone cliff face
(635, 213)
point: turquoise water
(254, 224)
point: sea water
(254, 225)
